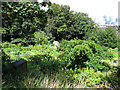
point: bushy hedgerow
(5, 57)
(7, 45)
(64, 44)
(84, 53)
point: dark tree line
(21, 20)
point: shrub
(95, 62)
(93, 38)
(24, 41)
(94, 35)
(81, 53)
(84, 53)
(104, 52)
(75, 52)
(40, 37)
(65, 44)
(5, 57)
(109, 37)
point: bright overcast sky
(96, 9)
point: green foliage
(104, 52)
(93, 38)
(80, 53)
(109, 37)
(5, 57)
(21, 20)
(84, 53)
(97, 64)
(93, 34)
(86, 76)
(65, 44)
(91, 77)
(12, 51)
(43, 55)
(5, 44)
(65, 24)
(41, 37)
(76, 52)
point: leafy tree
(66, 24)
(94, 34)
(109, 37)
(21, 20)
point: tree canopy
(21, 20)
(67, 24)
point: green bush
(6, 49)
(81, 53)
(75, 52)
(95, 62)
(24, 41)
(15, 52)
(41, 37)
(94, 35)
(65, 44)
(5, 57)
(109, 37)
(104, 52)
(93, 38)
(84, 53)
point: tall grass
(40, 80)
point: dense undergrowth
(77, 62)
(84, 58)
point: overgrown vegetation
(83, 59)
(109, 37)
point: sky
(95, 9)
